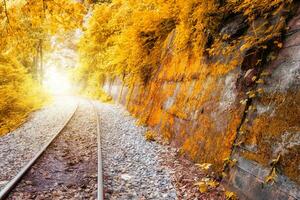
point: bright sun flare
(57, 82)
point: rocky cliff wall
(241, 116)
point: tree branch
(5, 10)
(44, 9)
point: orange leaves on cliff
(133, 37)
(131, 34)
(253, 8)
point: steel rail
(100, 193)
(12, 183)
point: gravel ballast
(68, 167)
(133, 168)
(131, 165)
(21, 145)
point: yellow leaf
(254, 78)
(212, 183)
(150, 136)
(233, 162)
(245, 46)
(276, 160)
(252, 95)
(260, 81)
(258, 61)
(244, 101)
(271, 178)
(225, 36)
(280, 45)
(204, 166)
(230, 195)
(260, 90)
(202, 186)
(265, 73)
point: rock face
(250, 113)
(271, 128)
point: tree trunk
(41, 61)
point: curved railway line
(8, 190)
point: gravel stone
(131, 165)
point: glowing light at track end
(57, 82)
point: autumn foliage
(128, 38)
(19, 93)
(27, 27)
(175, 58)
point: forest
(26, 31)
(121, 38)
(216, 79)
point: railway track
(52, 159)
(100, 193)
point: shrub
(19, 94)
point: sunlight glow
(57, 82)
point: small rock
(28, 182)
(125, 177)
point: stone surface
(272, 127)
